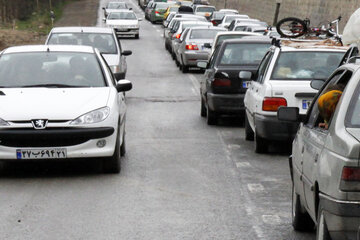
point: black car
(222, 89)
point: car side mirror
(289, 114)
(245, 75)
(103, 8)
(123, 85)
(207, 45)
(104, 19)
(202, 64)
(317, 84)
(126, 53)
(130, 8)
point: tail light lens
(191, 47)
(178, 36)
(157, 12)
(272, 104)
(221, 82)
(350, 179)
(214, 22)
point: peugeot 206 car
(324, 164)
(101, 38)
(63, 103)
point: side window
(213, 58)
(184, 34)
(338, 81)
(262, 68)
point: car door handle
(316, 157)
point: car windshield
(54, 69)
(205, 9)
(102, 41)
(117, 5)
(222, 38)
(188, 25)
(244, 53)
(306, 65)
(204, 33)
(231, 18)
(122, 15)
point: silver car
(325, 160)
(102, 38)
(192, 47)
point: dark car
(222, 89)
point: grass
(40, 21)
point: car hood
(122, 22)
(21, 104)
(112, 59)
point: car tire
(211, 117)
(300, 221)
(137, 36)
(113, 164)
(177, 62)
(261, 144)
(249, 133)
(322, 232)
(123, 146)
(185, 69)
(173, 55)
(202, 107)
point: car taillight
(272, 104)
(156, 12)
(221, 82)
(178, 36)
(214, 22)
(191, 47)
(350, 178)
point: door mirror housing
(245, 75)
(207, 45)
(317, 83)
(126, 53)
(103, 8)
(288, 114)
(202, 64)
(104, 19)
(221, 75)
(123, 85)
(130, 8)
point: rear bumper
(192, 57)
(226, 103)
(269, 127)
(132, 31)
(342, 217)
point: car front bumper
(192, 57)
(269, 127)
(342, 217)
(78, 142)
(226, 103)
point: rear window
(161, 6)
(203, 33)
(244, 54)
(306, 65)
(117, 5)
(222, 38)
(205, 9)
(102, 41)
(121, 15)
(219, 15)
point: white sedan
(124, 22)
(61, 102)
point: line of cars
(275, 87)
(69, 96)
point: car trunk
(237, 85)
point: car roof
(238, 33)
(82, 29)
(311, 45)
(312, 49)
(49, 48)
(249, 40)
(121, 10)
(207, 27)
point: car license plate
(246, 84)
(49, 153)
(306, 104)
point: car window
(204, 33)
(306, 65)
(263, 66)
(122, 15)
(205, 9)
(222, 38)
(117, 5)
(213, 58)
(184, 34)
(103, 41)
(43, 68)
(244, 54)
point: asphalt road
(180, 179)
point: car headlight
(115, 68)
(95, 116)
(3, 122)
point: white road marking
(271, 219)
(255, 187)
(234, 146)
(195, 83)
(259, 232)
(242, 164)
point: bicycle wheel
(291, 27)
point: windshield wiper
(52, 85)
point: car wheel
(113, 163)
(136, 36)
(249, 133)
(300, 221)
(185, 69)
(202, 108)
(173, 55)
(261, 144)
(322, 232)
(211, 117)
(177, 62)
(123, 146)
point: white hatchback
(61, 102)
